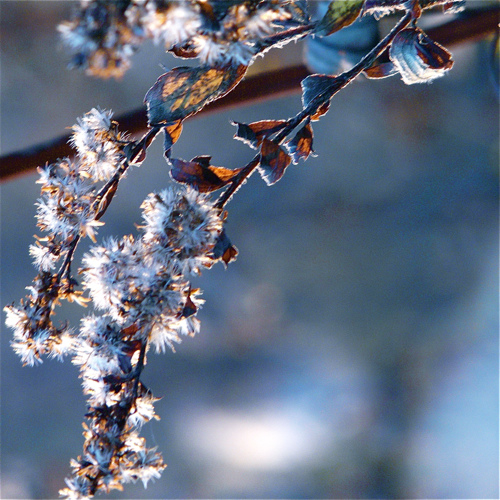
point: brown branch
(270, 85)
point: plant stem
(337, 83)
(238, 181)
(138, 369)
(137, 152)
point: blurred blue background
(352, 349)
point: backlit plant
(139, 286)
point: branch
(270, 85)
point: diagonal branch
(469, 28)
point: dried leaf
(273, 162)
(245, 134)
(203, 160)
(300, 147)
(183, 91)
(314, 86)
(172, 133)
(340, 13)
(323, 109)
(106, 199)
(319, 88)
(380, 70)
(186, 51)
(199, 174)
(382, 67)
(189, 308)
(253, 133)
(130, 331)
(418, 58)
(224, 250)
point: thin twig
(136, 155)
(337, 83)
(246, 171)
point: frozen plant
(140, 286)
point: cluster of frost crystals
(108, 355)
(170, 23)
(101, 38)
(67, 207)
(135, 284)
(184, 225)
(67, 210)
(112, 457)
(215, 32)
(34, 333)
(140, 285)
(99, 144)
(101, 351)
(142, 281)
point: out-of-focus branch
(470, 28)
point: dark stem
(137, 154)
(138, 369)
(337, 83)
(66, 266)
(238, 181)
(284, 37)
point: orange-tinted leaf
(320, 111)
(253, 133)
(130, 331)
(273, 162)
(199, 174)
(382, 67)
(189, 308)
(183, 91)
(172, 133)
(224, 250)
(225, 174)
(187, 51)
(300, 147)
(340, 13)
(380, 70)
(267, 127)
